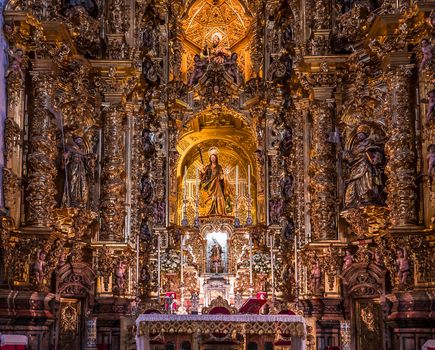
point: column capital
(42, 66)
(323, 93)
(302, 104)
(397, 59)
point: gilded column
(41, 188)
(302, 147)
(113, 175)
(14, 125)
(400, 169)
(320, 42)
(322, 168)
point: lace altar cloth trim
(220, 318)
(290, 325)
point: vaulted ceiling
(207, 17)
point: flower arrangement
(261, 263)
(170, 262)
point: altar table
(274, 325)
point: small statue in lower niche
(347, 260)
(316, 278)
(402, 265)
(39, 267)
(120, 276)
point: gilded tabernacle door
(368, 320)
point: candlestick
(249, 180)
(137, 263)
(296, 270)
(182, 309)
(184, 221)
(185, 183)
(249, 217)
(181, 261)
(236, 211)
(196, 222)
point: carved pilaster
(118, 26)
(41, 188)
(400, 169)
(322, 15)
(113, 174)
(322, 168)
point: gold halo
(219, 35)
(364, 129)
(213, 150)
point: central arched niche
(234, 140)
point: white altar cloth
(156, 320)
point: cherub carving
(427, 49)
(200, 66)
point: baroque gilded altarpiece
(323, 109)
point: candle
(249, 218)
(184, 222)
(158, 267)
(185, 185)
(296, 269)
(249, 181)
(181, 261)
(237, 183)
(197, 190)
(272, 267)
(137, 263)
(196, 183)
